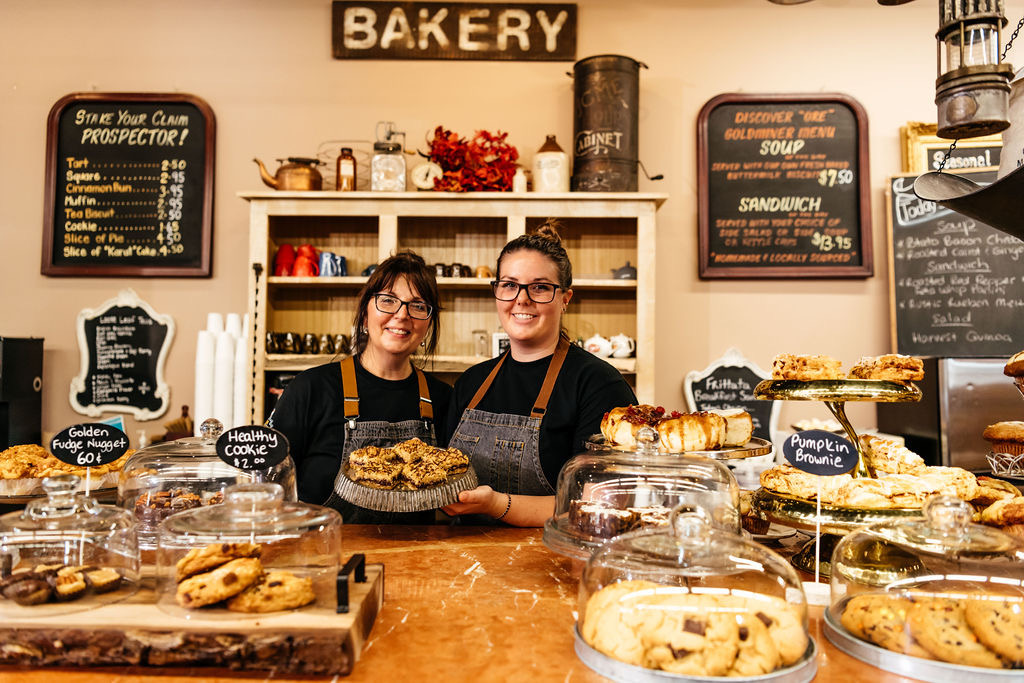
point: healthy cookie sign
(783, 187)
(819, 452)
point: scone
(1006, 512)
(222, 583)
(700, 431)
(894, 367)
(788, 366)
(886, 455)
(991, 490)
(620, 426)
(739, 427)
(212, 556)
(1005, 437)
(1015, 366)
(278, 590)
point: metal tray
(753, 448)
(837, 390)
(803, 514)
(801, 672)
(913, 667)
(393, 500)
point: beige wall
(265, 67)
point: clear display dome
(65, 553)
(166, 478)
(688, 600)
(931, 595)
(602, 495)
(255, 553)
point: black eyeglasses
(386, 303)
(538, 292)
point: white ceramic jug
(599, 346)
(622, 346)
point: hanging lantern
(972, 90)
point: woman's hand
(483, 500)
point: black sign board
(783, 187)
(957, 285)
(123, 347)
(89, 445)
(728, 384)
(454, 30)
(820, 452)
(129, 185)
(252, 447)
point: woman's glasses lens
(538, 292)
(391, 304)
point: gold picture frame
(923, 150)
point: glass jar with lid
(600, 495)
(692, 600)
(165, 478)
(254, 554)
(65, 553)
(935, 597)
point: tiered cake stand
(833, 521)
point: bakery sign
(819, 452)
(453, 30)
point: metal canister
(606, 96)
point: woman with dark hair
(374, 397)
(521, 416)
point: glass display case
(65, 553)
(936, 597)
(691, 600)
(252, 555)
(171, 477)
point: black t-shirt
(311, 413)
(587, 388)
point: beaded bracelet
(507, 507)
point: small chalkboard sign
(783, 187)
(728, 384)
(129, 185)
(252, 447)
(123, 346)
(819, 452)
(956, 285)
(89, 445)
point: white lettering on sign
(397, 28)
(518, 30)
(551, 28)
(432, 27)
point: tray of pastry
(800, 513)
(23, 468)
(933, 639)
(753, 448)
(410, 477)
(877, 390)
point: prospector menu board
(129, 185)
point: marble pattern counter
(461, 604)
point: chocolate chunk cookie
(277, 591)
(222, 583)
(212, 556)
(940, 626)
(999, 624)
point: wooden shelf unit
(602, 232)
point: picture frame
(922, 150)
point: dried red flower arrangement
(485, 163)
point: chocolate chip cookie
(224, 582)
(999, 624)
(212, 556)
(940, 626)
(279, 590)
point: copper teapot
(299, 173)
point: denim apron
(505, 449)
(383, 434)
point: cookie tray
(393, 500)
(801, 672)
(309, 641)
(906, 665)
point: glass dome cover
(165, 478)
(66, 553)
(692, 599)
(268, 539)
(602, 495)
(938, 590)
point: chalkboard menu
(123, 346)
(129, 185)
(957, 285)
(728, 384)
(783, 187)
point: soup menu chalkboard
(129, 185)
(123, 346)
(956, 285)
(783, 187)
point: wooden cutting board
(136, 632)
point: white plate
(776, 532)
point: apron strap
(348, 381)
(426, 405)
(540, 406)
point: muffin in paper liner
(1009, 464)
(394, 500)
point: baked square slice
(383, 475)
(453, 461)
(806, 368)
(413, 450)
(371, 455)
(894, 367)
(423, 473)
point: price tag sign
(89, 445)
(819, 452)
(252, 447)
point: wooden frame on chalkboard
(71, 210)
(923, 150)
(787, 253)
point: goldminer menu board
(783, 187)
(129, 186)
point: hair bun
(549, 230)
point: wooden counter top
(461, 604)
